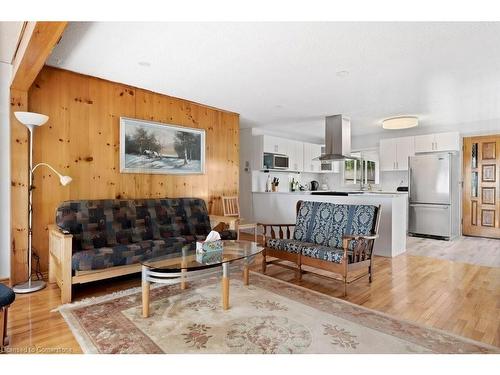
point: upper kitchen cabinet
(394, 153)
(296, 155)
(437, 142)
(275, 145)
(311, 152)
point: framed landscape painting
(152, 147)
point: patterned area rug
(268, 316)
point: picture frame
(157, 148)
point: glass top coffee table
(186, 265)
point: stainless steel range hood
(337, 138)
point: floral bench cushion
(325, 223)
(288, 245)
(324, 253)
(307, 249)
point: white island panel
(281, 209)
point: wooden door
(481, 192)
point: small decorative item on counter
(275, 183)
(212, 243)
(269, 184)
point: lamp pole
(30, 285)
(32, 120)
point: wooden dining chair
(231, 209)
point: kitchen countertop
(308, 192)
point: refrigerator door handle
(442, 206)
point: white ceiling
(283, 76)
(9, 36)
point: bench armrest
(352, 237)
(363, 251)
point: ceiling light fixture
(342, 73)
(146, 64)
(400, 122)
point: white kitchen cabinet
(424, 143)
(394, 153)
(388, 154)
(296, 155)
(449, 141)
(311, 152)
(405, 148)
(275, 145)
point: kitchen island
(281, 208)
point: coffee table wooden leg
(145, 295)
(245, 273)
(184, 284)
(225, 286)
(183, 279)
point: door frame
(468, 228)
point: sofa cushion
(196, 216)
(90, 223)
(107, 223)
(146, 224)
(170, 217)
(325, 223)
(122, 255)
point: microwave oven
(275, 161)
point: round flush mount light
(342, 73)
(146, 64)
(400, 122)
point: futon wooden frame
(60, 270)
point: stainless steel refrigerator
(434, 195)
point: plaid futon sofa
(329, 236)
(108, 233)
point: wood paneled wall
(19, 159)
(81, 140)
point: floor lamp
(31, 121)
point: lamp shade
(400, 122)
(65, 180)
(31, 119)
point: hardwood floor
(460, 298)
(472, 250)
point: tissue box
(208, 246)
(211, 257)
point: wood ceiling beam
(37, 42)
(35, 46)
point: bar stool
(7, 296)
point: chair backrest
(325, 223)
(230, 206)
